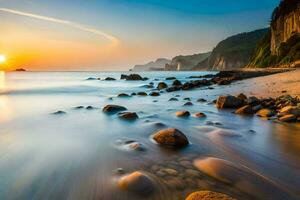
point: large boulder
(162, 85)
(208, 195)
(229, 102)
(111, 109)
(171, 137)
(137, 182)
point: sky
(111, 35)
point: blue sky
(159, 28)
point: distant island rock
(157, 65)
(20, 70)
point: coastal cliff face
(233, 52)
(285, 24)
(185, 63)
(280, 47)
(159, 64)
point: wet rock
(171, 78)
(176, 83)
(79, 107)
(170, 171)
(294, 110)
(128, 116)
(133, 77)
(91, 79)
(173, 99)
(60, 112)
(123, 95)
(245, 110)
(142, 94)
(109, 79)
(265, 113)
(199, 115)
(252, 100)
(111, 109)
(229, 102)
(133, 94)
(90, 108)
(192, 173)
(129, 145)
(183, 113)
(187, 99)
(154, 94)
(175, 183)
(208, 195)
(119, 171)
(257, 108)
(171, 137)
(188, 104)
(201, 100)
(288, 118)
(137, 182)
(242, 96)
(162, 85)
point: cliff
(185, 63)
(281, 45)
(233, 52)
(159, 64)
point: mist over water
(74, 155)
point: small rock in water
(177, 83)
(201, 100)
(199, 115)
(208, 195)
(123, 95)
(187, 99)
(265, 113)
(171, 137)
(90, 108)
(112, 109)
(162, 85)
(171, 78)
(110, 79)
(142, 93)
(137, 182)
(59, 113)
(183, 113)
(119, 171)
(128, 116)
(154, 94)
(79, 107)
(188, 104)
(173, 99)
(133, 94)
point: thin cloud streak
(115, 41)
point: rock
(229, 102)
(188, 104)
(192, 173)
(208, 195)
(183, 113)
(109, 79)
(257, 108)
(245, 110)
(252, 100)
(79, 107)
(60, 112)
(199, 115)
(128, 115)
(137, 182)
(111, 109)
(90, 108)
(295, 110)
(177, 83)
(175, 183)
(187, 99)
(170, 78)
(171, 137)
(288, 118)
(173, 99)
(154, 94)
(119, 171)
(201, 100)
(170, 171)
(265, 112)
(162, 85)
(142, 93)
(133, 94)
(133, 77)
(242, 96)
(123, 95)
(90, 79)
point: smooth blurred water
(73, 156)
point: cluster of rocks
(133, 77)
(116, 109)
(284, 108)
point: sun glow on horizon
(2, 58)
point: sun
(2, 58)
